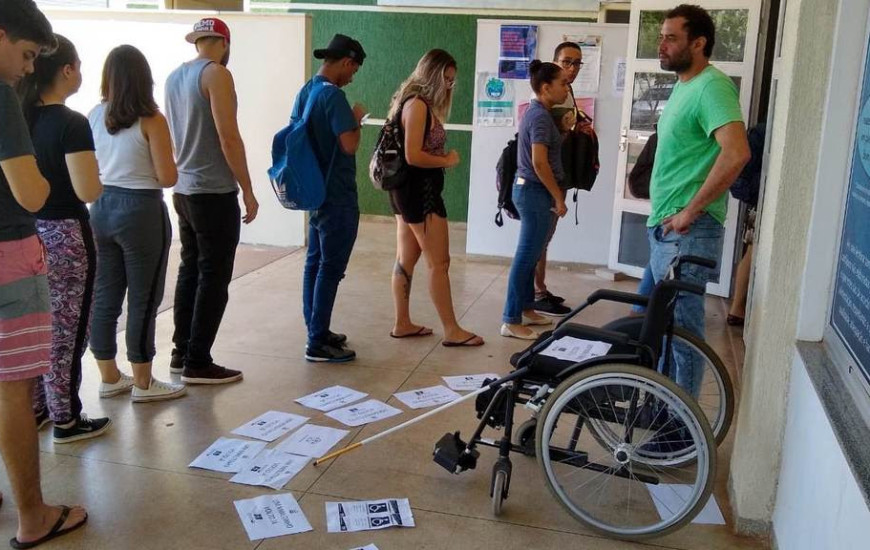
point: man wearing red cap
(201, 107)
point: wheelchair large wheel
(716, 397)
(615, 490)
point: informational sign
(518, 46)
(850, 312)
(588, 78)
(495, 100)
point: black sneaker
(336, 339)
(82, 428)
(42, 420)
(553, 299)
(546, 307)
(176, 364)
(210, 374)
(329, 354)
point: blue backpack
(295, 174)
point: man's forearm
(234, 152)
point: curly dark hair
(698, 24)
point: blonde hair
(428, 83)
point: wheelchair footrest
(454, 455)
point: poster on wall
(495, 100)
(619, 77)
(537, 5)
(588, 78)
(518, 46)
(850, 311)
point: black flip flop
(53, 533)
(419, 334)
(463, 344)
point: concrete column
(780, 259)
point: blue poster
(850, 315)
(518, 46)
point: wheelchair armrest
(685, 286)
(618, 296)
(586, 332)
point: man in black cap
(335, 130)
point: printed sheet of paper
(331, 398)
(587, 80)
(227, 455)
(272, 516)
(366, 547)
(347, 517)
(271, 425)
(568, 348)
(311, 440)
(669, 496)
(272, 468)
(364, 413)
(518, 47)
(427, 397)
(469, 382)
(619, 77)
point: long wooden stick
(368, 440)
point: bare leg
(20, 449)
(142, 375)
(109, 370)
(407, 254)
(434, 240)
(540, 276)
(741, 284)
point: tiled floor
(141, 495)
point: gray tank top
(202, 167)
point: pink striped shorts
(25, 318)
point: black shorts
(420, 196)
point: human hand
(359, 111)
(561, 208)
(680, 222)
(451, 159)
(251, 207)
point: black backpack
(505, 173)
(639, 177)
(388, 168)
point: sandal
(53, 533)
(467, 343)
(423, 331)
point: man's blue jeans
(331, 235)
(704, 239)
(534, 204)
(644, 288)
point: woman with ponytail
(536, 194)
(64, 150)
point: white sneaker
(158, 391)
(123, 385)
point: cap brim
(194, 36)
(338, 54)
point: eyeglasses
(451, 82)
(568, 63)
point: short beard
(681, 63)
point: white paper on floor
(271, 425)
(427, 397)
(568, 348)
(672, 496)
(311, 440)
(227, 455)
(331, 398)
(469, 382)
(364, 413)
(272, 516)
(366, 547)
(272, 468)
(365, 515)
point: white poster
(366, 547)
(227, 455)
(311, 440)
(364, 413)
(568, 348)
(619, 77)
(271, 516)
(427, 397)
(588, 78)
(272, 468)
(347, 517)
(271, 425)
(331, 398)
(495, 100)
(468, 382)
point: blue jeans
(533, 202)
(644, 287)
(331, 235)
(704, 239)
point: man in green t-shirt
(702, 148)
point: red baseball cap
(210, 26)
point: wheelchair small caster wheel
(525, 437)
(501, 480)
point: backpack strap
(398, 120)
(306, 116)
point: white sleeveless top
(124, 158)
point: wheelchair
(622, 447)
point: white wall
(268, 60)
(588, 242)
(818, 505)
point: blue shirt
(331, 116)
(539, 127)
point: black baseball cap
(342, 46)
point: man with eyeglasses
(568, 56)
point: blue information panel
(850, 315)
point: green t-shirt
(687, 148)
